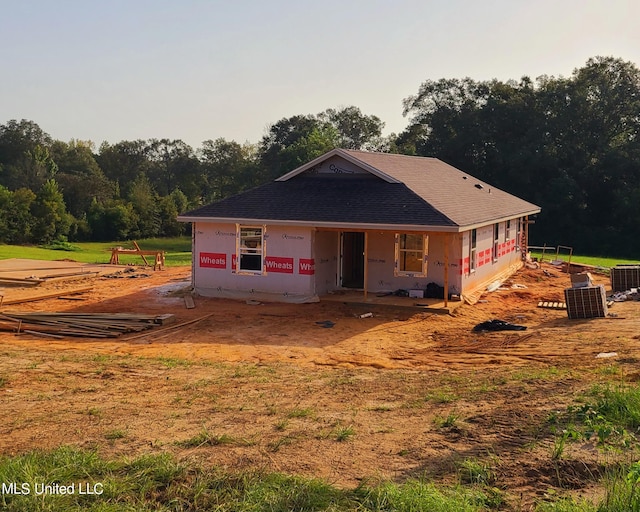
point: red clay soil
(267, 387)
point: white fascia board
(342, 154)
(335, 225)
(469, 227)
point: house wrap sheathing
(375, 222)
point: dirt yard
(402, 394)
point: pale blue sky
(196, 70)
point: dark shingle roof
(461, 197)
(350, 200)
(395, 190)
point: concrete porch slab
(354, 297)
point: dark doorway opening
(352, 259)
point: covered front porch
(368, 266)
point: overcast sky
(196, 70)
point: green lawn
(596, 261)
(178, 251)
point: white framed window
(496, 241)
(250, 251)
(518, 233)
(472, 250)
(411, 254)
(507, 231)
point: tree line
(568, 144)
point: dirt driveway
(402, 394)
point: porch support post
(366, 263)
(446, 270)
(526, 237)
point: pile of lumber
(87, 325)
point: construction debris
(589, 302)
(624, 296)
(625, 277)
(581, 280)
(498, 325)
(86, 325)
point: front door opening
(352, 259)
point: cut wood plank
(29, 281)
(33, 298)
(43, 334)
(188, 302)
(170, 327)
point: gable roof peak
(348, 156)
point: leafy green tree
(52, 222)
(167, 213)
(273, 161)
(79, 176)
(227, 168)
(172, 164)
(144, 204)
(180, 200)
(24, 155)
(312, 145)
(114, 220)
(123, 162)
(354, 129)
(571, 145)
(20, 220)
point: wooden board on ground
(552, 305)
(44, 296)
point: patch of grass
(171, 362)
(474, 471)
(159, 482)
(535, 374)
(609, 415)
(300, 412)
(101, 358)
(283, 441)
(3, 381)
(448, 421)
(442, 396)
(609, 370)
(381, 408)
(281, 425)
(417, 496)
(205, 438)
(112, 435)
(344, 433)
(122, 482)
(620, 404)
(94, 411)
(566, 504)
(197, 385)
